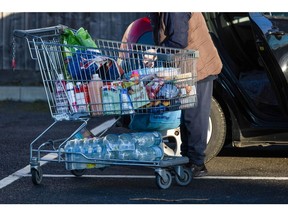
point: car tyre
(216, 131)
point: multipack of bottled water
(141, 146)
(138, 146)
(82, 151)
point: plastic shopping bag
(84, 38)
(154, 121)
(73, 38)
(84, 63)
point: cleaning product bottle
(95, 94)
(61, 101)
(71, 96)
(81, 97)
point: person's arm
(176, 29)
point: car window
(277, 14)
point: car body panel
(271, 34)
(252, 87)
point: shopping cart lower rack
(110, 78)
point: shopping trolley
(132, 80)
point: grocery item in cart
(61, 101)
(82, 64)
(167, 73)
(168, 91)
(82, 97)
(95, 93)
(111, 99)
(127, 146)
(155, 121)
(71, 96)
(152, 153)
(138, 95)
(86, 62)
(126, 104)
(110, 71)
(97, 148)
(74, 38)
(147, 139)
(80, 153)
(84, 38)
(145, 146)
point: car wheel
(216, 131)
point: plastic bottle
(126, 155)
(69, 148)
(151, 153)
(87, 148)
(81, 100)
(61, 100)
(126, 103)
(97, 148)
(142, 154)
(111, 142)
(127, 146)
(144, 139)
(78, 150)
(157, 152)
(71, 96)
(95, 93)
(126, 142)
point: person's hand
(148, 60)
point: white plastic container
(71, 96)
(61, 100)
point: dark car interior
(236, 46)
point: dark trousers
(194, 124)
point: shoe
(199, 170)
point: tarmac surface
(236, 176)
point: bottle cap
(60, 76)
(69, 85)
(95, 76)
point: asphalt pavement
(236, 176)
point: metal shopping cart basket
(110, 78)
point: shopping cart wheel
(78, 172)
(36, 175)
(164, 180)
(185, 178)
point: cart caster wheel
(165, 181)
(186, 178)
(36, 175)
(78, 172)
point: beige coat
(209, 62)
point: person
(189, 31)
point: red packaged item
(82, 97)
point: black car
(250, 98)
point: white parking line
(244, 178)
(152, 176)
(25, 172)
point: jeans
(194, 124)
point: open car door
(271, 35)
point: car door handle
(275, 32)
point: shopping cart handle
(25, 33)
(173, 56)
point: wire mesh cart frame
(136, 78)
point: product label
(80, 101)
